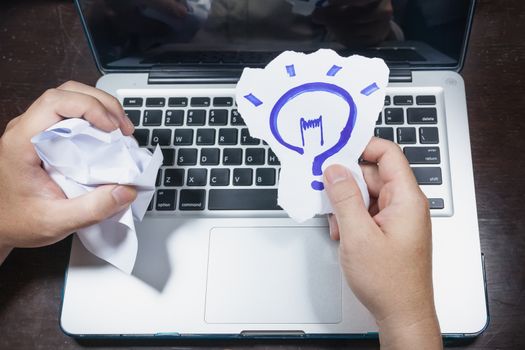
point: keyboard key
(428, 135)
(150, 205)
(155, 102)
(421, 116)
(436, 203)
(227, 136)
(200, 101)
(242, 177)
(197, 177)
(243, 199)
(265, 177)
(169, 156)
(132, 102)
(219, 177)
(192, 200)
(159, 178)
(133, 115)
(235, 118)
(384, 133)
(272, 158)
(403, 100)
(161, 137)
(209, 156)
(246, 139)
(166, 199)
(394, 116)
(223, 101)
(428, 175)
(142, 136)
(379, 119)
(254, 156)
(173, 177)
(387, 100)
(232, 156)
(187, 156)
(205, 137)
(218, 117)
(196, 117)
(174, 117)
(426, 100)
(406, 135)
(422, 155)
(177, 102)
(152, 117)
(183, 137)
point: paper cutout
(313, 110)
(80, 157)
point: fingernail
(336, 173)
(123, 195)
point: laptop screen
(140, 34)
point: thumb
(93, 207)
(346, 199)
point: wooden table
(42, 45)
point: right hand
(386, 251)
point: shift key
(428, 175)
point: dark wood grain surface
(42, 45)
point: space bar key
(243, 199)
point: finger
(111, 103)
(392, 163)
(372, 178)
(347, 202)
(90, 208)
(55, 104)
(333, 226)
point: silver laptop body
(217, 259)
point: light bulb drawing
(306, 123)
(313, 110)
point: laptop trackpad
(273, 275)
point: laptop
(217, 257)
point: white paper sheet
(80, 157)
(313, 110)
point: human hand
(386, 251)
(356, 23)
(33, 209)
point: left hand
(33, 209)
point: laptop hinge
(400, 74)
(194, 75)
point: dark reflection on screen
(147, 32)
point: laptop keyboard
(212, 164)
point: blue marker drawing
(254, 100)
(333, 70)
(290, 70)
(311, 124)
(345, 133)
(370, 89)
